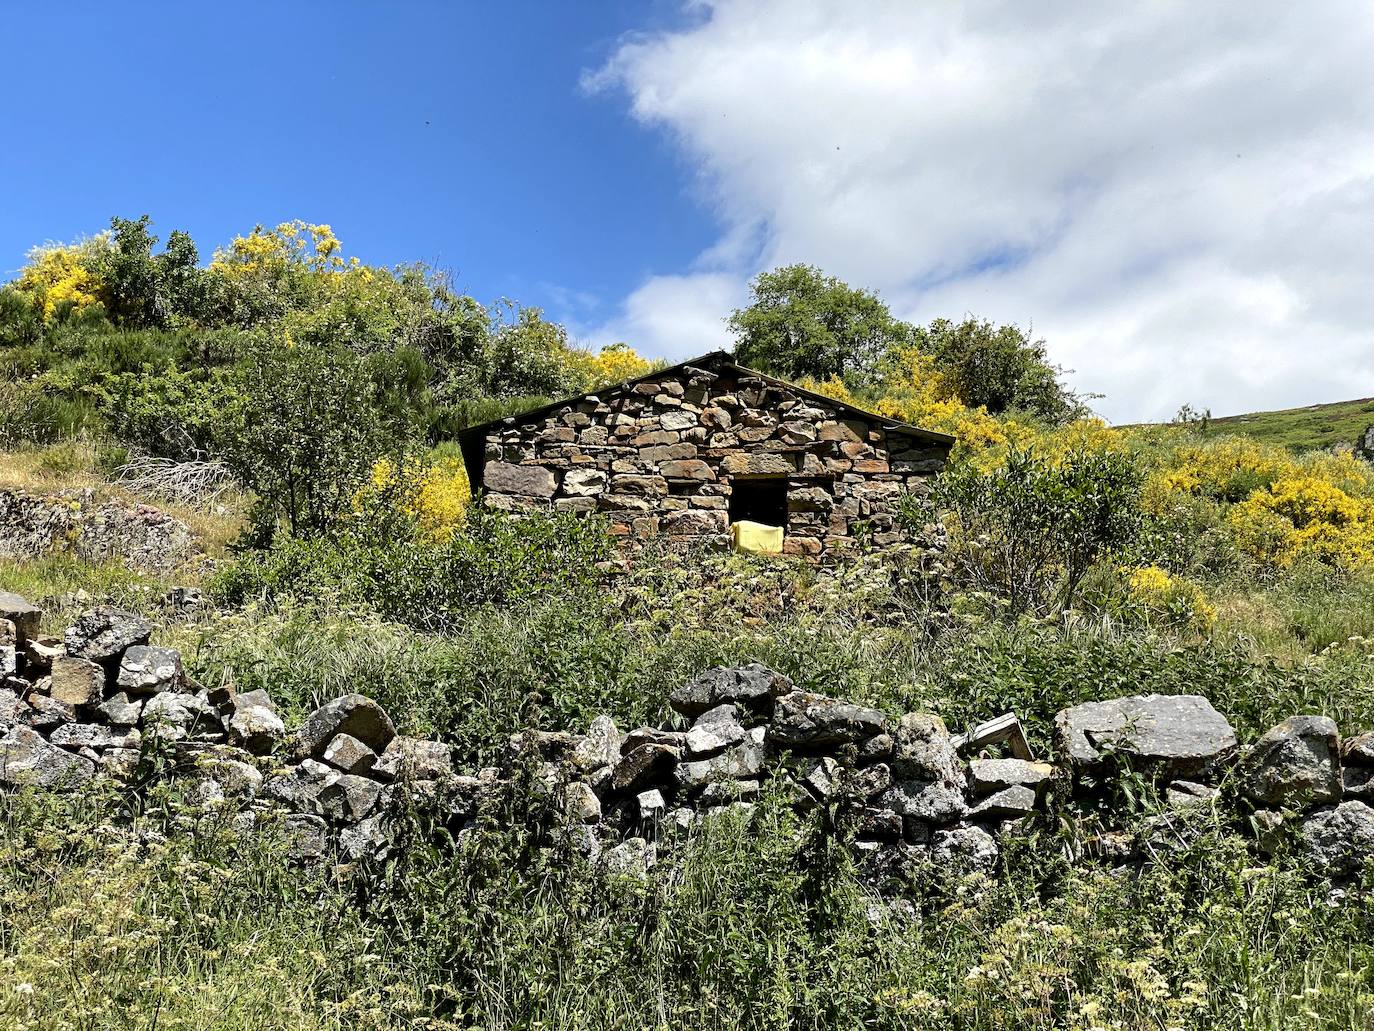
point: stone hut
(688, 450)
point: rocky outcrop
(138, 536)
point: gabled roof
(715, 361)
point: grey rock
(1358, 782)
(754, 686)
(651, 736)
(804, 720)
(255, 727)
(235, 778)
(1173, 735)
(46, 712)
(1268, 826)
(120, 763)
(414, 759)
(1013, 801)
(964, 850)
(41, 652)
(633, 857)
(1358, 750)
(22, 614)
(727, 792)
(349, 798)
(600, 746)
(146, 670)
(352, 714)
(307, 837)
(526, 480)
(987, 776)
(76, 736)
(121, 710)
(1294, 764)
(173, 715)
(877, 823)
(739, 762)
(299, 787)
(1182, 794)
(714, 731)
(932, 801)
(821, 776)
(76, 681)
(1340, 838)
(644, 765)
(923, 750)
(104, 634)
(580, 803)
(364, 840)
(345, 752)
(25, 758)
(651, 804)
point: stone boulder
(1170, 735)
(411, 758)
(25, 758)
(1358, 750)
(964, 850)
(1340, 838)
(145, 670)
(805, 720)
(352, 714)
(76, 681)
(253, 723)
(753, 686)
(103, 635)
(23, 615)
(714, 731)
(1294, 764)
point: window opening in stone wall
(760, 499)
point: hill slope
(1303, 429)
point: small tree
(803, 323)
(1028, 531)
(999, 367)
(309, 425)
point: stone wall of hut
(661, 457)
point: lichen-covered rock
(714, 731)
(76, 681)
(366, 839)
(1340, 838)
(307, 837)
(346, 753)
(1172, 735)
(352, 714)
(933, 801)
(349, 798)
(633, 857)
(414, 759)
(146, 670)
(1358, 750)
(253, 725)
(298, 787)
(738, 762)
(22, 614)
(642, 766)
(76, 736)
(104, 634)
(1015, 800)
(27, 759)
(753, 686)
(987, 776)
(804, 720)
(174, 715)
(121, 710)
(1295, 763)
(600, 747)
(964, 850)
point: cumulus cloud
(1177, 196)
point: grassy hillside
(1302, 429)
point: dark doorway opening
(760, 499)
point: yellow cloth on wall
(756, 538)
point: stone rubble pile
(104, 702)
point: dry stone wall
(105, 702)
(662, 457)
(139, 536)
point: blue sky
(456, 133)
(1175, 196)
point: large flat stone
(1171, 735)
(529, 481)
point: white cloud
(1178, 196)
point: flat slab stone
(1173, 735)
